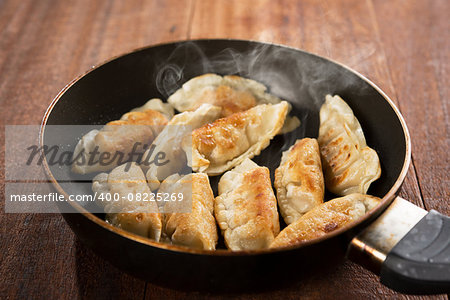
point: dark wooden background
(403, 46)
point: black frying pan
(109, 90)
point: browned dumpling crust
(142, 218)
(246, 208)
(325, 218)
(232, 93)
(225, 143)
(197, 228)
(299, 180)
(119, 136)
(169, 142)
(350, 166)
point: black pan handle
(420, 262)
(408, 247)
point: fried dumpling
(325, 218)
(169, 141)
(350, 166)
(156, 104)
(224, 144)
(232, 93)
(117, 140)
(139, 217)
(299, 180)
(193, 226)
(246, 208)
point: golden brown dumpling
(117, 138)
(139, 217)
(224, 144)
(194, 227)
(325, 218)
(246, 208)
(299, 180)
(169, 141)
(156, 104)
(232, 93)
(350, 166)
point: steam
(282, 70)
(301, 79)
(168, 78)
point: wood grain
(44, 45)
(418, 56)
(400, 45)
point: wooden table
(403, 46)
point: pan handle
(416, 263)
(420, 262)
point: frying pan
(113, 88)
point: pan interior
(301, 78)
